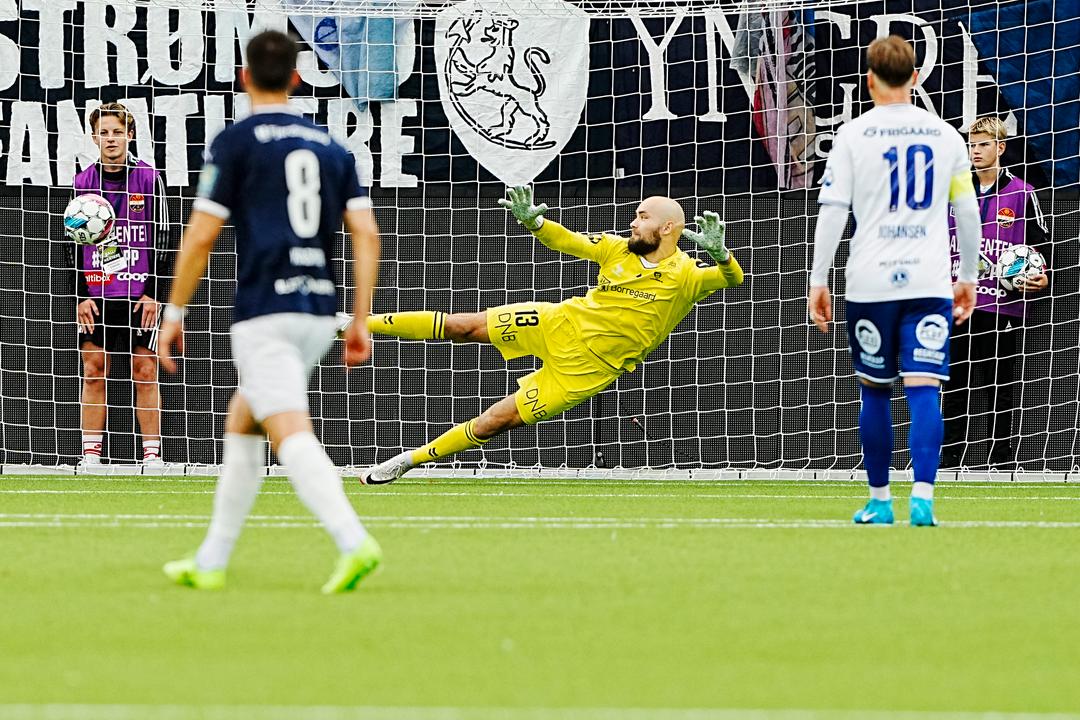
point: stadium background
(743, 381)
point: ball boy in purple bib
(117, 309)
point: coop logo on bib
(513, 80)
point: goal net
(722, 106)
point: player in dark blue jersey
(286, 186)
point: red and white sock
(151, 450)
(91, 446)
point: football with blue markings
(89, 219)
(1019, 262)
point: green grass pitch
(535, 599)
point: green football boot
(186, 572)
(353, 567)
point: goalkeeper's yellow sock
(458, 438)
(416, 325)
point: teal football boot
(876, 512)
(922, 513)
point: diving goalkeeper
(645, 286)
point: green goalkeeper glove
(711, 237)
(521, 206)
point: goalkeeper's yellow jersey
(634, 306)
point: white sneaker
(388, 471)
(89, 461)
(154, 461)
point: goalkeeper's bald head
(658, 224)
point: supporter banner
(708, 99)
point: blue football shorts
(900, 338)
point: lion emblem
(482, 65)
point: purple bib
(1003, 225)
(133, 200)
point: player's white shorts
(274, 357)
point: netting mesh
(723, 108)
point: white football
(1019, 261)
(89, 219)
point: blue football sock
(876, 433)
(927, 430)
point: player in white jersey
(897, 168)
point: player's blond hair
(892, 59)
(991, 126)
(116, 110)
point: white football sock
(922, 490)
(151, 449)
(91, 443)
(318, 485)
(241, 478)
(880, 493)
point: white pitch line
(481, 482)
(296, 712)
(439, 522)
(376, 493)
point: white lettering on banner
(305, 105)
(51, 37)
(9, 51)
(97, 38)
(233, 26)
(213, 118)
(176, 109)
(73, 143)
(884, 25)
(843, 23)
(716, 20)
(310, 72)
(28, 126)
(143, 144)
(241, 106)
(395, 144)
(339, 115)
(161, 38)
(972, 78)
(657, 65)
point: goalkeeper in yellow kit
(645, 286)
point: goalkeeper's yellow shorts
(571, 373)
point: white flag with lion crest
(513, 78)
